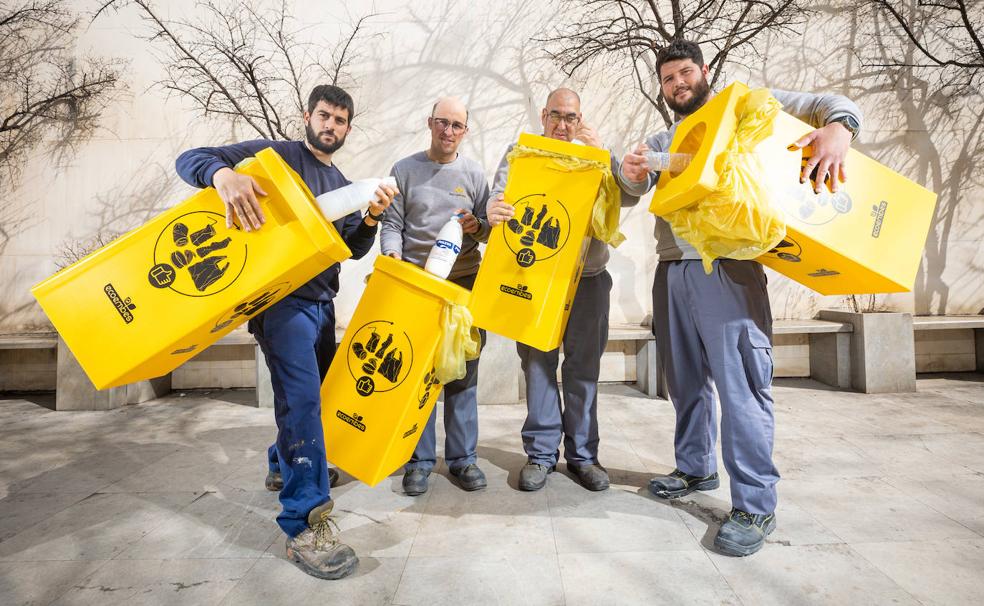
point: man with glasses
(575, 419)
(434, 186)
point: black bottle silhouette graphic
(380, 357)
(208, 271)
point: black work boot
(469, 477)
(679, 484)
(317, 551)
(533, 476)
(591, 476)
(744, 533)
(415, 482)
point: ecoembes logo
(520, 290)
(878, 212)
(354, 420)
(410, 431)
(124, 307)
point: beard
(699, 94)
(316, 143)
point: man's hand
(384, 197)
(827, 153)
(498, 211)
(469, 222)
(396, 256)
(634, 165)
(238, 192)
(587, 135)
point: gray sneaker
(275, 482)
(591, 476)
(744, 533)
(469, 477)
(415, 482)
(533, 476)
(678, 484)
(317, 551)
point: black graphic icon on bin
(427, 388)
(788, 250)
(540, 228)
(251, 306)
(379, 357)
(196, 256)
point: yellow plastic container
(381, 388)
(867, 238)
(144, 304)
(533, 263)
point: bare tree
(46, 93)
(626, 35)
(942, 35)
(250, 65)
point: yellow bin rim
(418, 278)
(585, 152)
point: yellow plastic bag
(460, 342)
(605, 212)
(738, 220)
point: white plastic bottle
(660, 161)
(445, 251)
(339, 202)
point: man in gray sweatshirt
(718, 327)
(575, 419)
(434, 186)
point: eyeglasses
(557, 117)
(442, 125)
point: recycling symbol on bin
(539, 229)
(195, 255)
(252, 305)
(379, 357)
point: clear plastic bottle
(660, 161)
(445, 251)
(340, 202)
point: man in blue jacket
(297, 334)
(717, 328)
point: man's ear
(307, 118)
(705, 70)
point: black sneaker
(533, 476)
(317, 551)
(415, 482)
(469, 477)
(679, 484)
(744, 533)
(592, 476)
(275, 482)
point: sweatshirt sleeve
(501, 174)
(197, 166)
(391, 230)
(659, 142)
(481, 204)
(627, 199)
(817, 110)
(356, 233)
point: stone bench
(956, 323)
(830, 348)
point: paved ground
(882, 501)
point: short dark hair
(676, 50)
(332, 95)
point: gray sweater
(598, 255)
(816, 110)
(429, 194)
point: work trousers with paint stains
(297, 337)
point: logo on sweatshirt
(124, 307)
(460, 192)
(196, 256)
(878, 212)
(539, 230)
(379, 357)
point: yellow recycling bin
(381, 386)
(144, 304)
(866, 238)
(533, 263)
